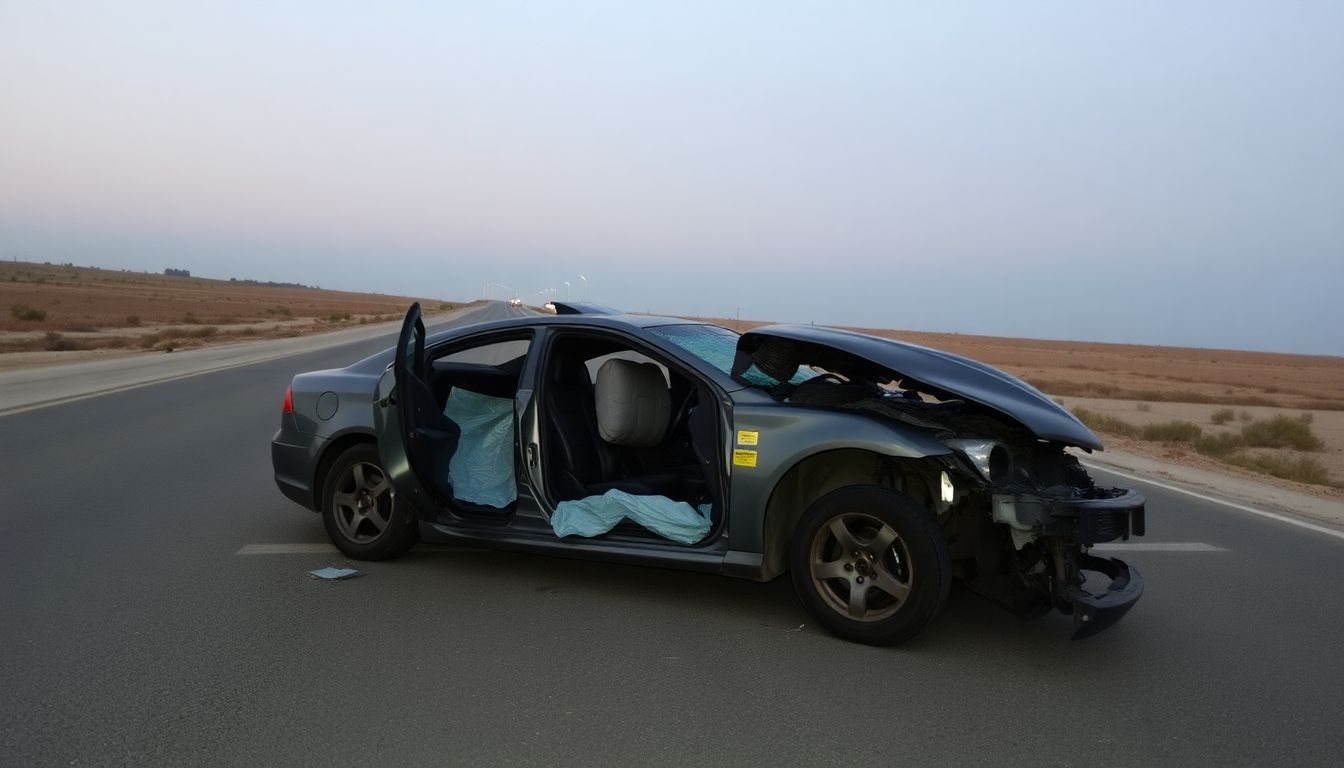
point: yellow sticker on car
(744, 458)
(745, 437)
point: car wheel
(870, 564)
(357, 508)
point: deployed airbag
(481, 470)
(595, 515)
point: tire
(882, 543)
(357, 508)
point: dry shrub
(1302, 469)
(1171, 432)
(58, 343)
(27, 313)
(1219, 446)
(1281, 432)
(1103, 423)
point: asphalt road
(131, 633)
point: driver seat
(630, 406)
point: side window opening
(615, 418)
(475, 387)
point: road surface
(133, 633)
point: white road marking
(1338, 534)
(287, 549)
(1158, 546)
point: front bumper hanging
(1093, 612)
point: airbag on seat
(481, 469)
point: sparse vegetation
(1231, 447)
(1282, 432)
(1220, 445)
(1171, 432)
(1222, 416)
(58, 343)
(26, 313)
(1143, 407)
(133, 321)
(1103, 423)
(1114, 392)
(203, 332)
(338, 317)
(191, 319)
(1303, 469)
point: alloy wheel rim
(861, 567)
(362, 503)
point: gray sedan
(873, 471)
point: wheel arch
(330, 453)
(819, 473)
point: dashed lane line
(1158, 546)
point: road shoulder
(1221, 486)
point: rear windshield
(718, 346)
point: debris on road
(335, 574)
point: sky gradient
(1139, 172)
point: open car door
(416, 441)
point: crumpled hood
(942, 374)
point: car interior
(472, 466)
(614, 418)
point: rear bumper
(293, 465)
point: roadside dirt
(1327, 425)
(60, 313)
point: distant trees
(170, 272)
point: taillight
(289, 399)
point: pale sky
(1154, 172)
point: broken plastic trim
(1094, 612)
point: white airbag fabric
(595, 515)
(481, 469)
(633, 403)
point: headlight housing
(989, 458)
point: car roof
(619, 321)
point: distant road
(132, 633)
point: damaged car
(872, 471)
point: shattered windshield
(718, 347)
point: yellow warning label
(744, 458)
(747, 438)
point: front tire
(357, 508)
(870, 565)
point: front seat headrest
(633, 403)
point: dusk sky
(1154, 172)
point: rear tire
(870, 565)
(357, 508)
